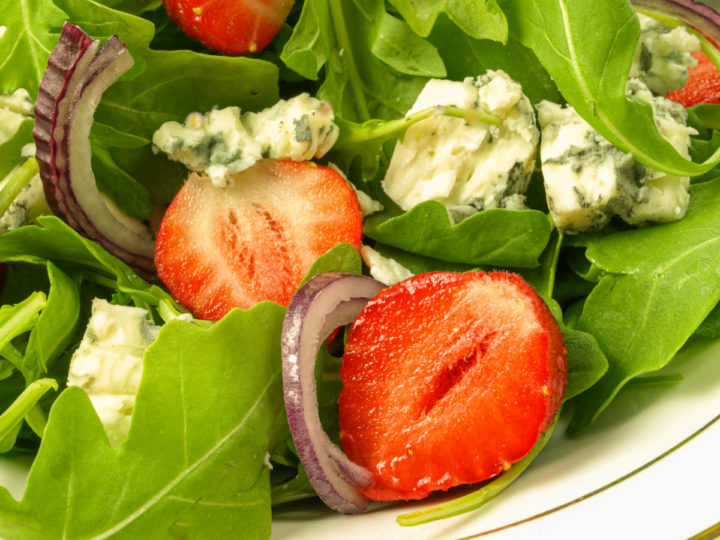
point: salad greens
(209, 448)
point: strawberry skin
(703, 85)
(448, 379)
(219, 248)
(230, 26)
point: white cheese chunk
(108, 363)
(224, 142)
(666, 197)
(472, 165)
(663, 55)
(588, 180)
(384, 269)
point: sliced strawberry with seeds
(230, 26)
(256, 240)
(448, 379)
(703, 85)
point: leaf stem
(24, 404)
(385, 129)
(21, 314)
(17, 181)
(345, 49)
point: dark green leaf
(403, 50)
(497, 237)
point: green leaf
(498, 237)
(661, 283)
(11, 420)
(588, 52)
(208, 411)
(53, 240)
(339, 35)
(479, 55)
(55, 325)
(481, 19)
(342, 258)
(32, 29)
(403, 50)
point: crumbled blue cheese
(108, 363)
(29, 204)
(384, 269)
(663, 55)
(588, 180)
(467, 166)
(225, 141)
(665, 197)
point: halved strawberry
(448, 379)
(219, 248)
(230, 26)
(703, 85)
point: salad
(182, 427)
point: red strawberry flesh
(256, 240)
(448, 379)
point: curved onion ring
(78, 73)
(322, 304)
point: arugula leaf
(660, 284)
(498, 237)
(12, 419)
(402, 49)
(208, 410)
(356, 81)
(32, 29)
(56, 324)
(480, 19)
(479, 55)
(588, 52)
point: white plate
(649, 468)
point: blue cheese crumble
(467, 166)
(108, 363)
(225, 141)
(663, 56)
(588, 180)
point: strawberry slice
(255, 240)
(230, 26)
(703, 85)
(448, 379)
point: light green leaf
(661, 283)
(208, 411)
(403, 50)
(588, 51)
(481, 19)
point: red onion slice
(77, 75)
(702, 18)
(322, 304)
